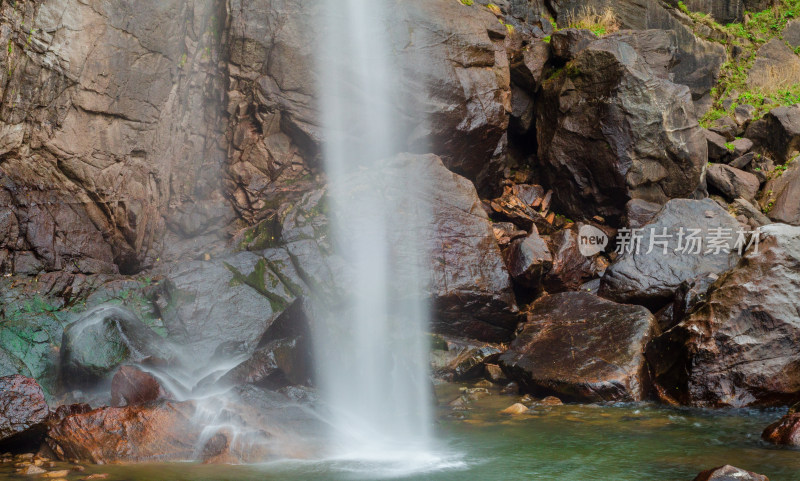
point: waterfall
(370, 338)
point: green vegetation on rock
(742, 41)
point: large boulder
(775, 65)
(580, 347)
(164, 432)
(653, 276)
(106, 337)
(610, 130)
(23, 413)
(739, 348)
(259, 426)
(780, 194)
(777, 134)
(697, 61)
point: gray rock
(754, 216)
(781, 193)
(654, 277)
(567, 43)
(740, 347)
(528, 72)
(106, 337)
(791, 34)
(741, 147)
(10, 365)
(743, 114)
(743, 161)
(205, 304)
(732, 182)
(641, 212)
(777, 134)
(717, 147)
(726, 127)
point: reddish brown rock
(133, 387)
(23, 413)
(165, 432)
(63, 411)
(785, 431)
(261, 425)
(580, 347)
(528, 260)
(739, 347)
(570, 269)
(729, 473)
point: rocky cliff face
(164, 156)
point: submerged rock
(582, 348)
(729, 473)
(739, 348)
(785, 431)
(23, 414)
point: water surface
(571, 442)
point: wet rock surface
(785, 431)
(23, 413)
(729, 473)
(665, 258)
(582, 348)
(258, 425)
(598, 154)
(131, 386)
(738, 348)
(105, 338)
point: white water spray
(371, 348)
